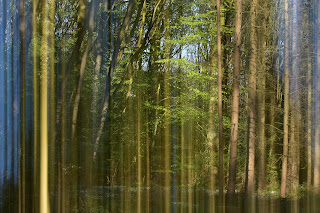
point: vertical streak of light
(35, 103)
(52, 102)
(44, 194)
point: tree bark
(286, 106)
(235, 101)
(295, 124)
(316, 172)
(252, 100)
(261, 86)
(309, 153)
(167, 114)
(211, 138)
(220, 76)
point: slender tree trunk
(316, 172)
(139, 179)
(189, 128)
(183, 180)
(52, 101)
(81, 30)
(272, 162)
(81, 73)
(261, 115)
(63, 196)
(174, 143)
(5, 92)
(167, 132)
(22, 184)
(44, 188)
(147, 162)
(211, 135)
(144, 11)
(35, 106)
(295, 124)
(114, 62)
(97, 68)
(235, 101)
(220, 76)
(286, 105)
(252, 99)
(309, 153)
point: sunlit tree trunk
(235, 101)
(295, 124)
(316, 172)
(35, 106)
(252, 99)
(52, 107)
(211, 135)
(286, 105)
(44, 188)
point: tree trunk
(190, 144)
(44, 188)
(252, 99)
(139, 67)
(221, 143)
(309, 153)
(63, 195)
(35, 106)
(211, 138)
(316, 172)
(147, 162)
(235, 101)
(109, 75)
(295, 124)
(22, 184)
(261, 86)
(167, 114)
(52, 106)
(81, 72)
(286, 105)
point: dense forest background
(159, 105)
